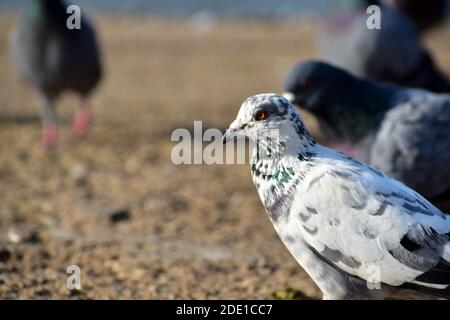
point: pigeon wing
(413, 144)
(369, 225)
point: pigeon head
(341, 102)
(271, 119)
(41, 11)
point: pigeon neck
(280, 150)
(272, 156)
(364, 104)
(378, 96)
(276, 175)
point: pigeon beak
(229, 135)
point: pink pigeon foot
(82, 123)
(50, 137)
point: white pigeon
(357, 232)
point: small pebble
(5, 255)
(119, 215)
(79, 173)
(33, 237)
(13, 236)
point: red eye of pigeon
(260, 115)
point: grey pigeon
(357, 232)
(403, 132)
(392, 53)
(53, 59)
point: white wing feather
(356, 221)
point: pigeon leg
(50, 129)
(82, 120)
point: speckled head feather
(271, 121)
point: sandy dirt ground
(138, 226)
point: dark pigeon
(403, 132)
(393, 53)
(54, 59)
(425, 14)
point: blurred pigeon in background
(425, 14)
(403, 132)
(53, 59)
(392, 53)
(358, 233)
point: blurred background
(114, 204)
